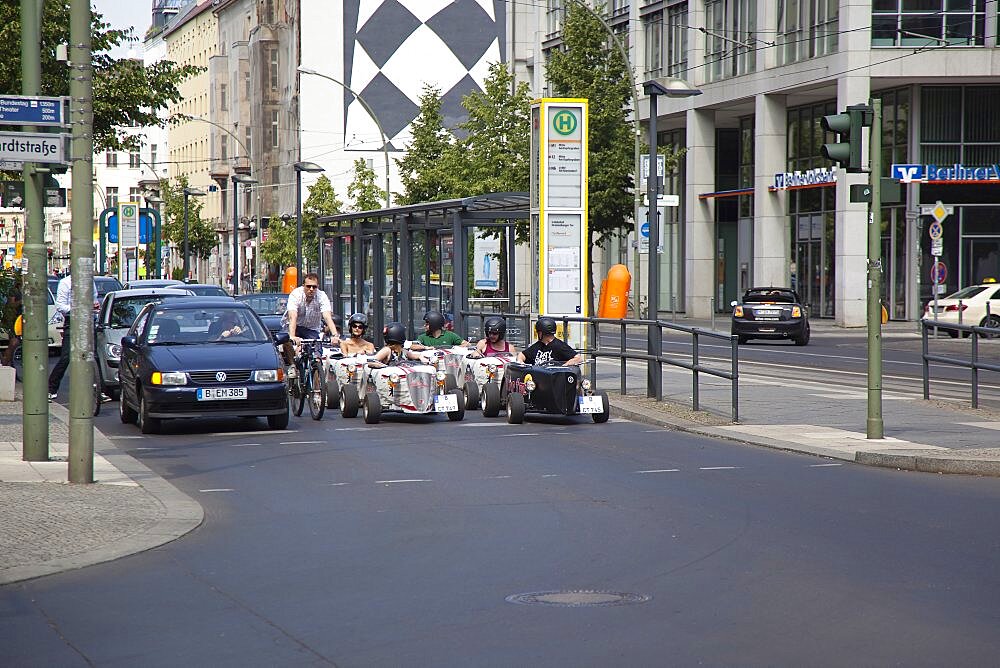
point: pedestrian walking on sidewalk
(64, 299)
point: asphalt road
(400, 543)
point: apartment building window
(806, 29)
(133, 160)
(553, 16)
(152, 155)
(246, 141)
(223, 148)
(928, 22)
(246, 84)
(134, 194)
(274, 129)
(729, 43)
(677, 39)
(112, 196)
(624, 36)
(653, 32)
(111, 159)
(223, 89)
(618, 7)
(273, 70)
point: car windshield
(773, 296)
(207, 290)
(125, 309)
(199, 325)
(106, 284)
(965, 293)
(267, 304)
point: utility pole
(35, 350)
(81, 365)
(875, 426)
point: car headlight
(351, 368)
(737, 311)
(441, 375)
(585, 383)
(530, 386)
(114, 351)
(57, 319)
(394, 378)
(492, 368)
(267, 375)
(796, 312)
(169, 378)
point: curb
(182, 514)
(930, 464)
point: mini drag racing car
(347, 377)
(553, 389)
(411, 387)
(482, 379)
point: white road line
(301, 442)
(351, 429)
(392, 482)
(718, 468)
(339, 484)
(498, 477)
(655, 431)
(513, 435)
(659, 471)
(819, 466)
(221, 489)
(256, 432)
(113, 436)
(483, 424)
(145, 448)
(550, 475)
(242, 445)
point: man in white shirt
(307, 311)
(64, 301)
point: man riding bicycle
(308, 310)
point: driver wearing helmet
(494, 341)
(396, 348)
(548, 348)
(435, 334)
(357, 343)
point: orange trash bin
(290, 280)
(614, 300)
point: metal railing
(624, 354)
(972, 363)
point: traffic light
(847, 152)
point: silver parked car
(118, 312)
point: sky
(125, 13)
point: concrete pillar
(699, 241)
(772, 238)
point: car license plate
(216, 393)
(591, 404)
(445, 403)
(767, 312)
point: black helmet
(435, 320)
(359, 318)
(497, 326)
(545, 325)
(394, 332)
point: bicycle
(308, 382)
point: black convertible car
(770, 313)
(201, 357)
(553, 389)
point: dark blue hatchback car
(201, 357)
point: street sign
(937, 247)
(938, 210)
(939, 272)
(146, 231)
(32, 147)
(644, 229)
(935, 231)
(128, 216)
(31, 110)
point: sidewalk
(47, 527)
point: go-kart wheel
(332, 391)
(606, 406)
(491, 400)
(457, 416)
(350, 401)
(515, 408)
(471, 395)
(373, 408)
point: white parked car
(968, 306)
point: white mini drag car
(346, 379)
(412, 387)
(482, 379)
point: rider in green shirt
(436, 335)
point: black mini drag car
(770, 313)
(555, 389)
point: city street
(401, 543)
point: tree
(422, 169)
(202, 238)
(322, 201)
(127, 95)
(279, 249)
(366, 195)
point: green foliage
(279, 249)
(202, 238)
(322, 201)
(367, 196)
(127, 95)
(585, 67)
(422, 171)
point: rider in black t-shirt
(548, 348)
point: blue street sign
(644, 230)
(31, 110)
(145, 228)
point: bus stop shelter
(398, 263)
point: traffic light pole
(875, 426)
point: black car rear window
(777, 296)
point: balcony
(241, 165)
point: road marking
(498, 477)
(301, 442)
(242, 445)
(351, 429)
(393, 482)
(220, 489)
(655, 431)
(339, 484)
(484, 424)
(513, 435)
(550, 475)
(137, 449)
(256, 432)
(659, 471)
(718, 468)
(124, 437)
(818, 466)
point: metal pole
(235, 261)
(186, 251)
(34, 350)
(102, 237)
(654, 337)
(159, 242)
(298, 227)
(81, 338)
(875, 426)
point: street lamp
(670, 87)
(245, 180)
(300, 167)
(371, 112)
(153, 200)
(188, 192)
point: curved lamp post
(188, 192)
(371, 112)
(300, 167)
(237, 180)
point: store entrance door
(810, 264)
(980, 260)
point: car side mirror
(129, 342)
(280, 338)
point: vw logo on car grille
(220, 376)
(570, 379)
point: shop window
(956, 125)
(922, 23)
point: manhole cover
(577, 599)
